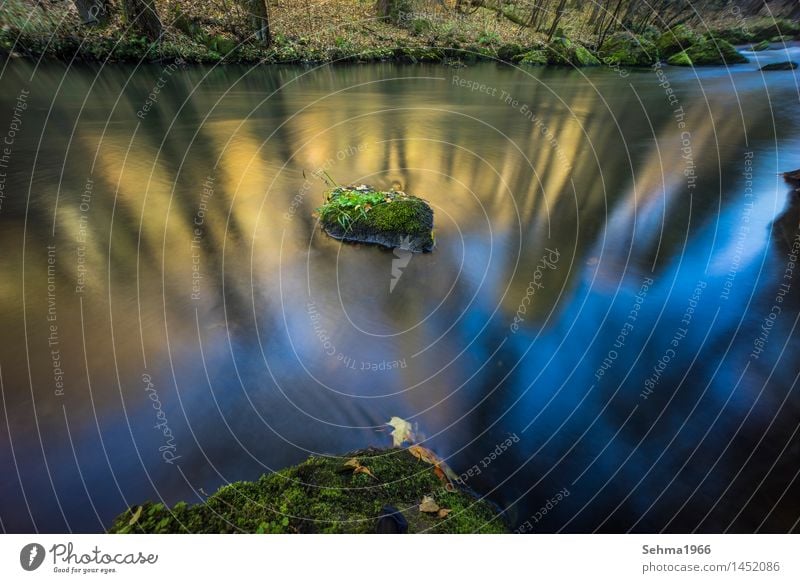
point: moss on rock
(629, 50)
(510, 52)
(737, 35)
(536, 57)
(564, 52)
(769, 28)
(762, 46)
(676, 40)
(323, 495)
(713, 51)
(680, 59)
(361, 214)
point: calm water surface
(613, 287)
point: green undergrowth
(323, 495)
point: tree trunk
(259, 14)
(611, 25)
(383, 8)
(389, 9)
(142, 17)
(93, 11)
(556, 20)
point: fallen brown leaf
(443, 512)
(357, 468)
(440, 468)
(364, 470)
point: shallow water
(612, 287)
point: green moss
(562, 51)
(368, 215)
(534, 57)
(680, 59)
(219, 44)
(738, 35)
(714, 51)
(420, 26)
(583, 57)
(629, 50)
(322, 495)
(418, 54)
(677, 39)
(708, 51)
(559, 51)
(769, 28)
(762, 46)
(510, 52)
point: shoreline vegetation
(615, 33)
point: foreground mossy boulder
(361, 214)
(324, 495)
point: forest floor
(310, 31)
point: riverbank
(340, 31)
(327, 495)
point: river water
(603, 339)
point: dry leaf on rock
(364, 470)
(357, 468)
(428, 505)
(440, 468)
(424, 454)
(443, 512)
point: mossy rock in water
(675, 40)
(708, 52)
(762, 46)
(361, 214)
(782, 66)
(628, 50)
(564, 52)
(324, 495)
